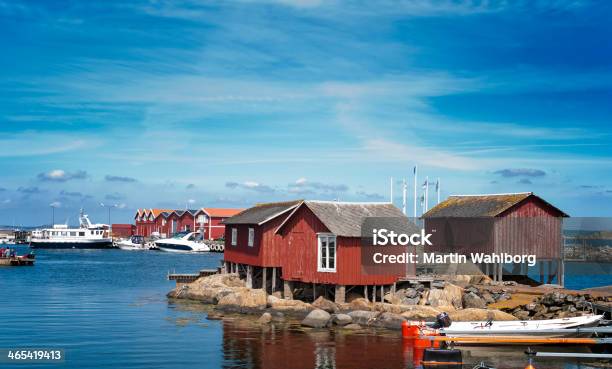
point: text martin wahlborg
(384, 237)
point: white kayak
(547, 328)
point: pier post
(365, 292)
(393, 287)
(550, 273)
(273, 279)
(314, 291)
(287, 290)
(541, 265)
(249, 277)
(340, 294)
(264, 280)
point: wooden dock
(191, 277)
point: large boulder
(450, 295)
(393, 298)
(210, 289)
(272, 299)
(388, 308)
(317, 319)
(390, 320)
(342, 319)
(291, 306)
(324, 304)
(419, 312)
(244, 298)
(360, 304)
(472, 300)
(219, 280)
(352, 327)
(363, 317)
(466, 315)
(407, 296)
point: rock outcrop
(466, 315)
(324, 304)
(317, 319)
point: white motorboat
(183, 242)
(548, 328)
(86, 236)
(134, 243)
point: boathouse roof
(345, 219)
(221, 212)
(489, 205)
(261, 213)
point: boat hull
(540, 328)
(52, 244)
(173, 247)
(16, 261)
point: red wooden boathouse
(313, 243)
(513, 223)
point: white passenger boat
(134, 243)
(548, 328)
(183, 242)
(86, 236)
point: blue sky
(196, 103)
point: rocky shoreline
(462, 300)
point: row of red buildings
(318, 244)
(166, 222)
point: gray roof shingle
(345, 219)
(261, 213)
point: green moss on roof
(476, 205)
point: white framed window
(202, 219)
(251, 236)
(326, 247)
(234, 236)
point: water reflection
(280, 346)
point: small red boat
(8, 258)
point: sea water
(108, 309)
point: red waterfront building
(123, 230)
(210, 220)
(511, 223)
(145, 220)
(166, 222)
(313, 243)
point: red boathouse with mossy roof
(511, 223)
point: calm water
(108, 309)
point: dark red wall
(123, 230)
(300, 254)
